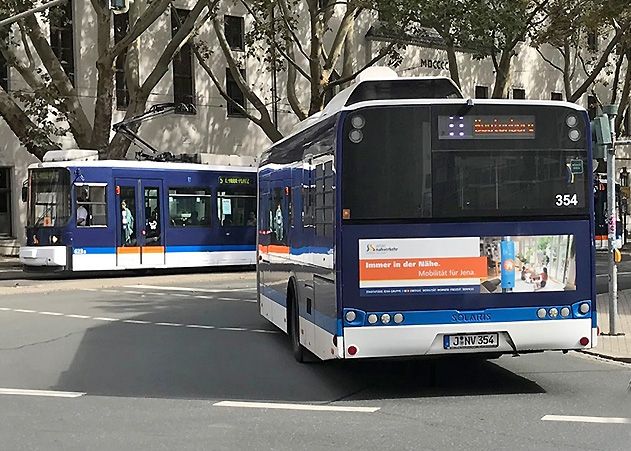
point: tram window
(91, 208)
(189, 207)
(236, 206)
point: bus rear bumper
(520, 336)
(53, 256)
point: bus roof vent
(377, 73)
(71, 155)
(227, 160)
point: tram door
(152, 229)
(127, 224)
(140, 223)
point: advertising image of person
(127, 220)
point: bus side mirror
(25, 191)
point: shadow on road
(147, 360)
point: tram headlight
(54, 239)
(541, 313)
(372, 318)
(574, 135)
(385, 318)
(565, 312)
(553, 312)
(398, 318)
(584, 308)
(350, 316)
(571, 121)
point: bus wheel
(294, 330)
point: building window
(61, 37)
(236, 206)
(91, 208)
(519, 94)
(592, 107)
(189, 207)
(183, 75)
(235, 93)
(5, 202)
(121, 27)
(556, 96)
(4, 73)
(234, 31)
(626, 121)
(481, 92)
(592, 41)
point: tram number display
(231, 180)
(486, 127)
(460, 341)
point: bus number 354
(565, 200)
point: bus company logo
(378, 248)
(470, 317)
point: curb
(603, 355)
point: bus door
(127, 223)
(151, 238)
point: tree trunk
(625, 96)
(315, 68)
(105, 83)
(502, 77)
(21, 125)
(453, 64)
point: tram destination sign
(233, 180)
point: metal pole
(19, 16)
(610, 111)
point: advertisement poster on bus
(459, 265)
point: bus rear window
(396, 167)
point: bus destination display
(486, 127)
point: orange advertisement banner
(423, 268)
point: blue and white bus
(404, 220)
(113, 215)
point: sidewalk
(610, 347)
(10, 262)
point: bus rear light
(584, 341)
(372, 318)
(398, 318)
(352, 350)
(351, 316)
(385, 318)
(565, 312)
(584, 308)
(346, 213)
(541, 313)
(574, 135)
(355, 136)
(358, 121)
(571, 121)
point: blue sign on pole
(507, 258)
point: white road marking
(620, 274)
(135, 321)
(50, 393)
(11, 270)
(109, 291)
(203, 297)
(180, 295)
(133, 292)
(277, 405)
(581, 419)
(89, 289)
(200, 290)
(156, 294)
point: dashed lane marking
(138, 321)
(581, 419)
(199, 290)
(284, 406)
(179, 295)
(49, 393)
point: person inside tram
(153, 228)
(127, 220)
(251, 219)
(82, 211)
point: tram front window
(49, 201)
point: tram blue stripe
(214, 248)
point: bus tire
(294, 328)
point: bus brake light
(352, 350)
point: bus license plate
(471, 341)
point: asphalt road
(153, 361)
